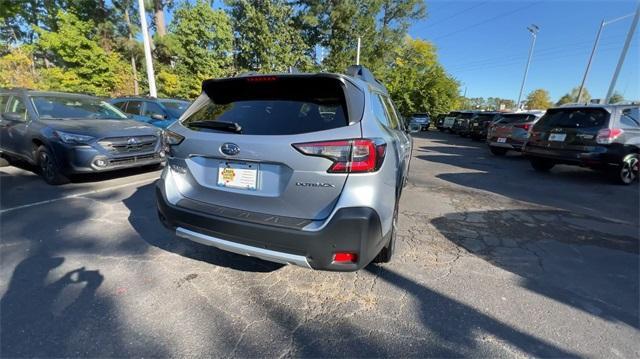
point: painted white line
(77, 195)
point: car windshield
(575, 118)
(176, 108)
(74, 107)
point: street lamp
(533, 29)
(593, 51)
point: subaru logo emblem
(132, 141)
(230, 149)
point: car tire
(541, 165)
(627, 172)
(386, 253)
(49, 168)
(498, 151)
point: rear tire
(386, 253)
(49, 168)
(498, 151)
(627, 173)
(541, 165)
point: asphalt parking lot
(494, 260)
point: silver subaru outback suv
(303, 169)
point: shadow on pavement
(144, 219)
(566, 187)
(448, 328)
(574, 259)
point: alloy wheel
(629, 170)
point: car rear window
(517, 118)
(575, 118)
(483, 118)
(269, 105)
(465, 115)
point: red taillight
(342, 257)
(606, 136)
(348, 156)
(524, 126)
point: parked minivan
(303, 169)
(602, 137)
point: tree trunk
(158, 15)
(134, 70)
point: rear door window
(379, 110)
(391, 113)
(153, 108)
(134, 107)
(3, 102)
(591, 118)
(629, 118)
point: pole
(358, 52)
(465, 98)
(526, 69)
(147, 50)
(586, 71)
(627, 42)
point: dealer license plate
(238, 175)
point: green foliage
(199, 46)
(565, 99)
(17, 70)
(266, 38)
(75, 48)
(616, 97)
(538, 100)
(416, 82)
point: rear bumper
(354, 230)
(600, 157)
(511, 143)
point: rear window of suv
(269, 105)
(574, 118)
(517, 118)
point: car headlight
(73, 138)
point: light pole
(627, 42)
(147, 50)
(593, 52)
(533, 29)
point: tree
(17, 69)
(616, 97)
(199, 45)
(538, 99)
(417, 82)
(87, 66)
(565, 99)
(266, 38)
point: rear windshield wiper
(218, 125)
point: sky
(485, 44)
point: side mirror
(414, 127)
(12, 116)
(158, 117)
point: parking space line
(2, 211)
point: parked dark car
(602, 137)
(449, 120)
(160, 112)
(439, 121)
(461, 123)
(422, 119)
(479, 124)
(511, 131)
(66, 133)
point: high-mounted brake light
(348, 156)
(261, 78)
(607, 136)
(525, 126)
